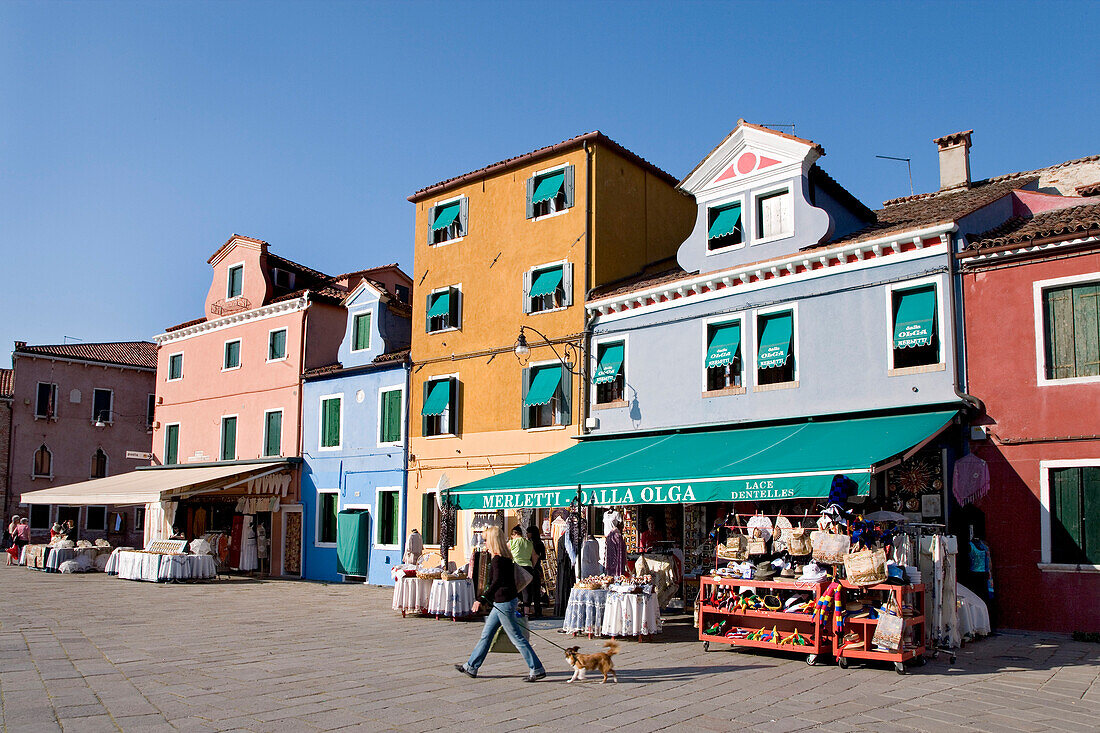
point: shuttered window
(273, 433)
(232, 354)
(1075, 515)
(175, 366)
(229, 439)
(361, 332)
(429, 518)
(389, 428)
(448, 221)
(388, 518)
(171, 445)
(773, 215)
(550, 192)
(330, 422)
(276, 345)
(1072, 331)
(327, 509)
(235, 286)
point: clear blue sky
(136, 137)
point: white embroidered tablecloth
(631, 614)
(452, 598)
(60, 554)
(585, 611)
(155, 567)
(411, 594)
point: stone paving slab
(246, 655)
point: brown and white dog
(600, 661)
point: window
(775, 359)
(101, 405)
(402, 293)
(150, 411)
(1074, 507)
(388, 519)
(443, 310)
(550, 192)
(722, 360)
(232, 355)
(235, 282)
(175, 367)
(724, 228)
(916, 337)
(360, 332)
(447, 221)
(1071, 324)
(439, 414)
(546, 392)
(95, 518)
(273, 433)
(547, 288)
(282, 279)
(229, 438)
(774, 215)
(390, 423)
(610, 379)
(99, 464)
(45, 404)
(40, 516)
(276, 344)
(429, 517)
(139, 518)
(327, 509)
(43, 462)
(171, 444)
(330, 421)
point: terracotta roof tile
(7, 384)
(1091, 189)
(337, 368)
(126, 353)
(392, 357)
(185, 324)
(320, 371)
(284, 264)
(1072, 222)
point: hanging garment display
(970, 481)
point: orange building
(518, 245)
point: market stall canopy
(763, 463)
(150, 485)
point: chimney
(954, 160)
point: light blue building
(355, 429)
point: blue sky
(136, 137)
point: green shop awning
(445, 215)
(610, 364)
(724, 344)
(548, 187)
(441, 305)
(726, 222)
(546, 282)
(764, 463)
(775, 341)
(916, 319)
(438, 398)
(543, 386)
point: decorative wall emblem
(746, 163)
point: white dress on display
(248, 544)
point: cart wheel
(811, 659)
(706, 646)
(842, 662)
(899, 667)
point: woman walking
(523, 555)
(12, 548)
(501, 593)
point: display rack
(913, 638)
(805, 624)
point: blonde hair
(494, 540)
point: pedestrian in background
(538, 554)
(523, 555)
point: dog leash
(551, 643)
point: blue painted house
(355, 447)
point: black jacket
(502, 581)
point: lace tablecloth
(60, 554)
(411, 594)
(153, 567)
(585, 611)
(453, 598)
(35, 556)
(631, 614)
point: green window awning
(775, 341)
(795, 461)
(915, 321)
(724, 344)
(441, 304)
(439, 398)
(445, 215)
(610, 363)
(546, 282)
(548, 187)
(543, 387)
(726, 222)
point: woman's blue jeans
(503, 614)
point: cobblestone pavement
(94, 653)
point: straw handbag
(735, 548)
(888, 632)
(830, 548)
(799, 543)
(865, 567)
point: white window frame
(106, 464)
(1045, 516)
(595, 363)
(1037, 289)
(458, 311)
(741, 316)
(168, 375)
(229, 279)
(530, 279)
(444, 202)
(317, 519)
(552, 214)
(221, 437)
(55, 401)
(378, 432)
(377, 517)
(33, 462)
(370, 336)
(95, 506)
(791, 306)
(321, 421)
(892, 288)
(742, 199)
(263, 447)
(164, 455)
(454, 406)
(286, 345)
(757, 225)
(110, 409)
(225, 354)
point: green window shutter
(229, 439)
(277, 345)
(565, 404)
(391, 416)
(171, 445)
(330, 422)
(452, 423)
(1065, 499)
(361, 338)
(427, 528)
(453, 313)
(232, 354)
(568, 186)
(525, 390)
(530, 195)
(427, 314)
(273, 434)
(175, 366)
(1061, 352)
(1090, 512)
(1086, 330)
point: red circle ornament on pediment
(746, 163)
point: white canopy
(151, 485)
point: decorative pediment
(747, 162)
(751, 152)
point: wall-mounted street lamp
(571, 358)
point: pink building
(7, 380)
(77, 411)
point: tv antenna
(776, 125)
(908, 164)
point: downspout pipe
(958, 337)
(589, 321)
